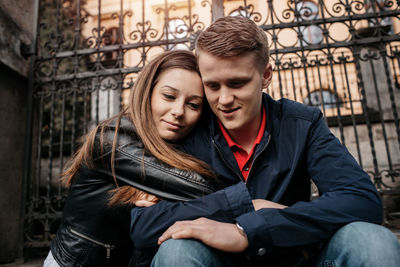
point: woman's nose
(178, 110)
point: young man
(265, 152)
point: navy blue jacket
(297, 146)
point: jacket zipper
(107, 246)
(254, 160)
(256, 157)
(240, 177)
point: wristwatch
(241, 230)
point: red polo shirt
(243, 159)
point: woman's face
(176, 103)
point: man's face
(233, 87)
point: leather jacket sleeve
(135, 167)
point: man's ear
(267, 76)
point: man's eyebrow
(208, 81)
(239, 79)
(234, 79)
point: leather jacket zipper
(240, 177)
(83, 236)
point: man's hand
(222, 236)
(266, 204)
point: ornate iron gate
(340, 55)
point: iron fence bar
(300, 38)
(370, 59)
(85, 126)
(391, 94)
(376, 176)
(97, 91)
(292, 78)
(353, 120)
(275, 53)
(74, 120)
(396, 55)
(39, 152)
(318, 64)
(392, 100)
(166, 23)
(77, 33)
(50, 146)
(120, 57)
(325, 34)
(51, 126)
(217, 9)
(97, 62)
(360, 82)
(29, 129)
(61, 147)
(143, 36)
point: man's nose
(225, 97)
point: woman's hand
(146, 200)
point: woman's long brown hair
(139, 112)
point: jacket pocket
(108, 247)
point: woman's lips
(173, 126)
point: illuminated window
(309, 11)
(322, 97)
(240, 13)
(177, 29)
(378, 6)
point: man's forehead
(230, 77)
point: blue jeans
(355, 244)
(361, 244)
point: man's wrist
(241, 230)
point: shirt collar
(232, 143)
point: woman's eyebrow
(177, 90)
(170, 87)
(196, 96)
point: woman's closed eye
(169, 96)
(194, 105)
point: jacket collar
(273, 110)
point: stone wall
(16, 30)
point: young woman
(128, 155)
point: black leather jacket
(92, 233)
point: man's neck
(246, 136)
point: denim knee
(171, 252)
(361, 244)
(187, 252)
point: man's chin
(230, 126)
